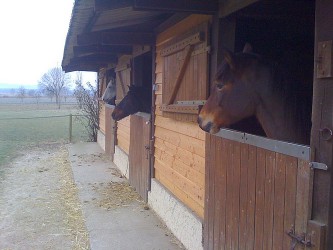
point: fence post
(70, 127)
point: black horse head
(138, 99)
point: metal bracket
(318, 165)
(298, 239)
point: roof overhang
(101, 30)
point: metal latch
(318, 165)
(298, 239)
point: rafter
(104, 5)
(192, 6)
(83, 67)
(101, 49)
(116, 38)
(98, 59)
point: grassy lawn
(17, 133)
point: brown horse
(245, 85)
(138, 99)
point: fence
(18, 132)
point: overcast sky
(32, 39)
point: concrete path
(116, 218)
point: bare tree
(21, 93)
(87, 99)
(53, 82)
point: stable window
(185, 74)
(123, 77)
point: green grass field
(18, 133)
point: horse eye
(219, 85)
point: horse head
(138, 99)
(109, 95)
(232, 97)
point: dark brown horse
(247, 85)
(138, 99)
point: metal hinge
(318, 165)
(298, 239)
(151, 146)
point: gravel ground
(39, 206)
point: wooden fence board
(260, 198)
(223, 192)
(290, 199)
(235, 183)
(269, 200)
(251, 190)
(243, 195)
(279, 191)
(303, 198)
(229, 213)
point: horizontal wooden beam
(104, 5)
(94, 59)
(102, 49)
(192, 6)
(116, 38)
(83, 67)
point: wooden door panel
(139, 161)
(254, 196)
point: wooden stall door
(139, 157)
(110, 131)
(255, 198)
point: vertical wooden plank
(210, 185)
(138, 164)
(146, 159)
(251, 196)
(303, 198)
(279, 201)
(207, 192)
(322, 110)
(217, 196)
(260, 197)
(243, 195)
(290, 199)
(229, 196)
(236, 159)
(223, 191)
(269, 200)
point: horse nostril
(208, 126)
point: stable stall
(236, 189)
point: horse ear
(229, 58)
(247, 48)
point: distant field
(26, 124)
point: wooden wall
(179, 146)
(123, 134)
(102, 117)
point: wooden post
(322, 110)
(70, 127)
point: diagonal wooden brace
(188, 51)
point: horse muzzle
(207, 126)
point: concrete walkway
(116, 218)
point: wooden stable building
(234, 189)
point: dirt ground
(39, 206)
